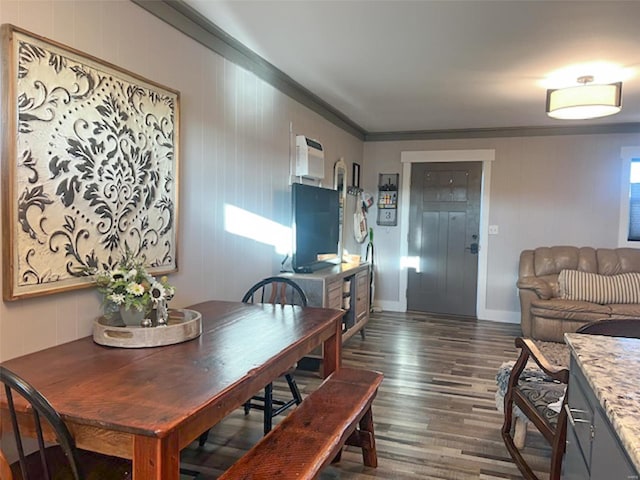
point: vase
(132, 317)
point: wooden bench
(310, 437)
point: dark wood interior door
(443, 233)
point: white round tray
(182, 325)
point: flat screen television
(316, 229)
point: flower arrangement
(130, 286)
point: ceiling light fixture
(588, 100)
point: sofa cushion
(618, 260)
(569, 309)
(602, 289)
(625, 311)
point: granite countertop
(612, 368)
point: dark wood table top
(153, 391)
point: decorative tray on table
(182, 325)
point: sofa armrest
(539, 286)
(530, 289)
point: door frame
(407, 158)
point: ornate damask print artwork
(90, 167)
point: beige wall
(543, 191)
(234, 150)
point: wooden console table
(344, 286)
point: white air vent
(309, 158)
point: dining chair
(48, 460)
(277, 291)
(532, 391)
(541, 396)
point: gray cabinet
(593, 448)
(344, 286)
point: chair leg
(520, 434)
(517, 457)
(293, 386)
(203, 438)
(559, 444)
(268, 408)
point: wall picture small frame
(89, 167)
(388, 199)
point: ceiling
(407, 66)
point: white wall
(234, 150)
(557, 190)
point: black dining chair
(277, 291)
(48, 460)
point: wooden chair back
(276, 290)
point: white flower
(157, 292)
(117, 298)
(130, 274)
(117, 275)
(135, 289)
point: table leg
(332, 357)
(156, 458)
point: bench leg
(365, 438)
(369, 454)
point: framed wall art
(90, 167)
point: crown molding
(503, 132)
(188, 21)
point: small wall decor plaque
(90, 167)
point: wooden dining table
(147, 404)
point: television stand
(344, 286)
(314, 267)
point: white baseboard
(501, 316)
(388, 306)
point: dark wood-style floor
(435, 414)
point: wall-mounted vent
(309, 158)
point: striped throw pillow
(602, 289)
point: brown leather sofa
(546, 316)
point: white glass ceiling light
(589, 100)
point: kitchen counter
(611, 366)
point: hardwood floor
(435, 414)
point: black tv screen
(316, 217)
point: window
(629, 219)
(634, 201)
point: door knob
(473, 248)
